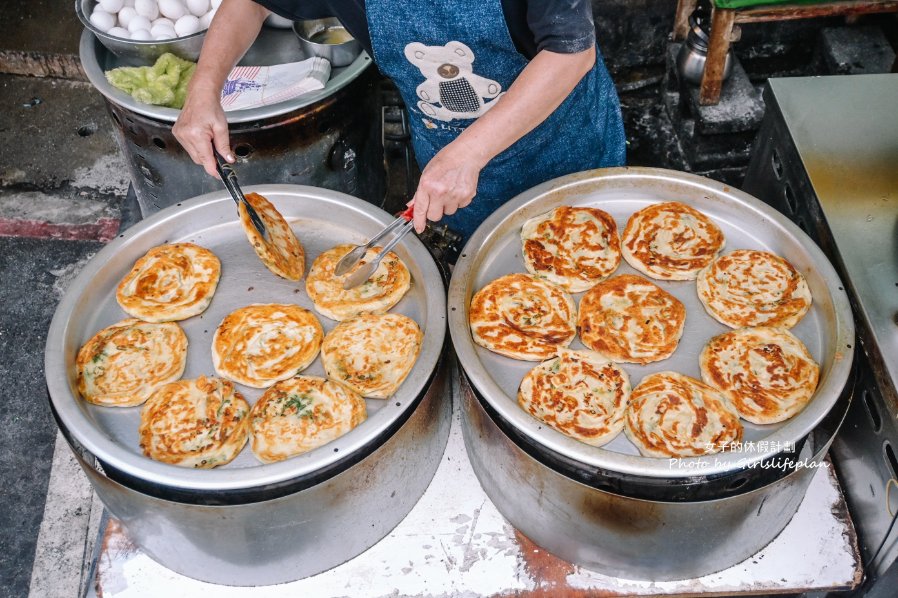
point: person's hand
(201, 124)
(448, 183)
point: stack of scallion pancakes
(206, 421)
(759, 372)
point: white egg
(139, 22)
(129, 3)
(206, 19)
(198, 7)
(164, 21)
(163, 29)
(112, 6)
(147, 8)
(102, 20)
(163, 36)
(141, 35)
(216, 3)
(173, 9)
(119, 32)
(125, 15)
(187, 25)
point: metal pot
(248, 523)
(313, 37)
(326, 139)
(694, 53)
(620, 535)
(555, 488)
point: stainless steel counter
(827, 156)
(846, 132)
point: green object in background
(748, 3)
(163, 84)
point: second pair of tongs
(351, 259)
(229, 178)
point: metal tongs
(229, 178)
(351, 259)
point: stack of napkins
(255, 86)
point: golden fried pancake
(200, 423)
(753, 288)
(766, 372)
(579, 393)
(572, 247)
(628, 318)
(297, 415)
(170, 282)
(670, 241)
(123, 364)
(373, 353)
(523, 317)
(672, 415)
(259, 344)
(382, 291)
(282, 253)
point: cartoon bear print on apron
(451, 90)
(452, 62)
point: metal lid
(321, 219)
(273, 46)
(495, 250)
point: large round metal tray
(321, 219)
(495, 250)
(273, 46)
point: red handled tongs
(352, 259)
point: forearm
(540, 88)
(235, 26)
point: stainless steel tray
(747, 223)
(321, 219)
(273, 46)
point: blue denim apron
(451, 61)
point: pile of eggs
(153, 20)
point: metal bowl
(141, 53)
(312, 37)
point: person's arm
(202, 121)
(449, 181)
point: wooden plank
(789, 12)
(718, 46)
(681, 20)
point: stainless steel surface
(495, 249)
(272, 46)
(365, 272)
(624, 537)
(826, 156)
(139, 53)
(321, 219)
(846, 133)
(229, 178)
(300, 534)
(340, 54)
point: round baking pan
(321, 219)
(495, 250)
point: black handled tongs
(229, 178)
